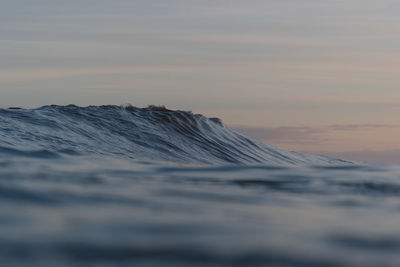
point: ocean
(127, 186)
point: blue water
(124, 186)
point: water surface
(113, 186)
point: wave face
(152, 133)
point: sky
(306, 75)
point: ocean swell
(152, 133)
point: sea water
(123, 186)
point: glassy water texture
(112, 186)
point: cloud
(302, 135)
(28, 75)
(352, 127)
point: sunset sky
(306, 75)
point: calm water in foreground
(158, 215)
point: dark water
(113, 186)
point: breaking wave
(152, 133)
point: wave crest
(152, 133)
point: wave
(152, 133)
